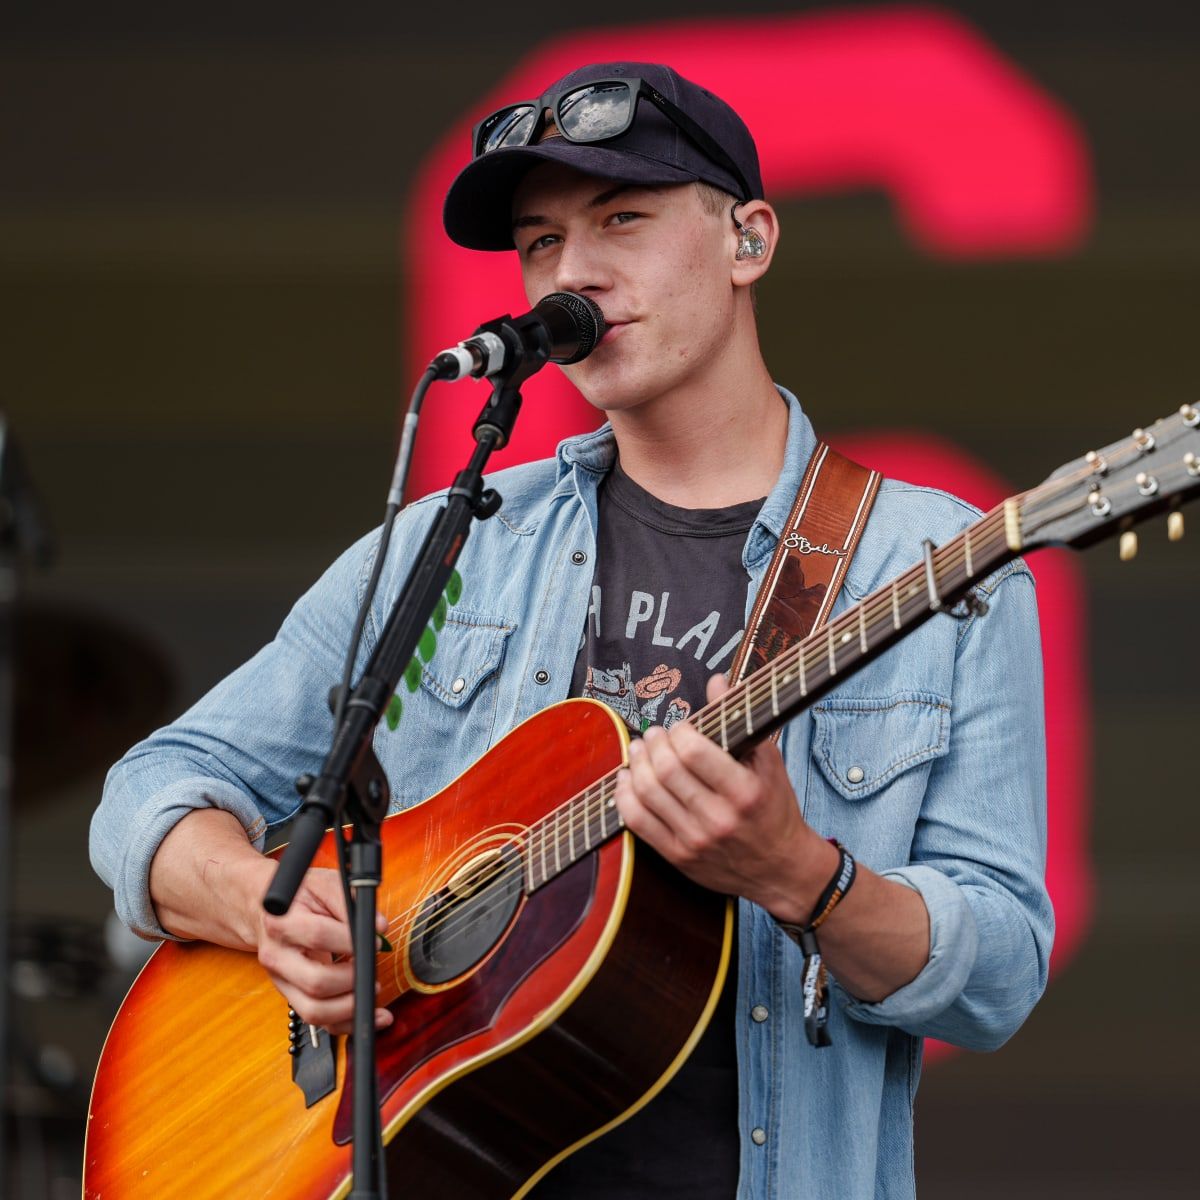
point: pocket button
(855, 775)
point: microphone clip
(480, 355)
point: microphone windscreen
(575, 324)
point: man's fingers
(298, 951)
(321, 993)
(334, 1014)
(659, 761)
(383, 1018)
(322, 890)
(305, 930)
(712, 770)
(318, 978)
(641, 820)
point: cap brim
(478, 211)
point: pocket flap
(469, 648)
(862, 743)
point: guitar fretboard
(753, 709)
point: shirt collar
(597, 451)
(801, 442)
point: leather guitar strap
(811, 559)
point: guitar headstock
(1109, 490)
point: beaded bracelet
(816, 1009)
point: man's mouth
(612, 329)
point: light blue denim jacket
(948, 797)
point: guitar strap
(806, 573)
(811, 558)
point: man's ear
(753, 245)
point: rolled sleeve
(953, 946)
(979, 846)
(239, 748)
(124, 862)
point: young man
(624, 570)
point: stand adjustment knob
(489, 503)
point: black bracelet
(816, 1008)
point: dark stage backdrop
(214, 307)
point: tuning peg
(1175, 525)
(1129, 545)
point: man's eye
(547, 239)
(623, 218)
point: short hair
(714, 200)
(718, 203)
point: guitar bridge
(314, 1059)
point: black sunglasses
(592, 112)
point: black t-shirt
(667, 611)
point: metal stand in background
(23, 536)
(351, 783)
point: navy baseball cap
(670, 131)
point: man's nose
(581, 267)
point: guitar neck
(754, 708)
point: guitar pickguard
(427, 1024)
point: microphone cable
(395, 498)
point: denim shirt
(929, 765)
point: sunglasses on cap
(593, 112)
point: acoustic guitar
(547, 974)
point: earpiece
(751, 243)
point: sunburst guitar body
(537, 1002)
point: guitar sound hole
(460, 923)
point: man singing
(624, 569)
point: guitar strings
(592, 801)
(457, 920)
(596, 796)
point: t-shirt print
(667, 607)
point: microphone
(563, 327)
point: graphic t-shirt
(667, 611)
(668, 603)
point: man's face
(654, 260)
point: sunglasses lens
(592, 113)
(511, 128)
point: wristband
(816, 1009)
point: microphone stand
(351, 782)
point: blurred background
(213, 315)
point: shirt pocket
(469, 651)
(861, 744)
(868, 769)
(448, 719)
